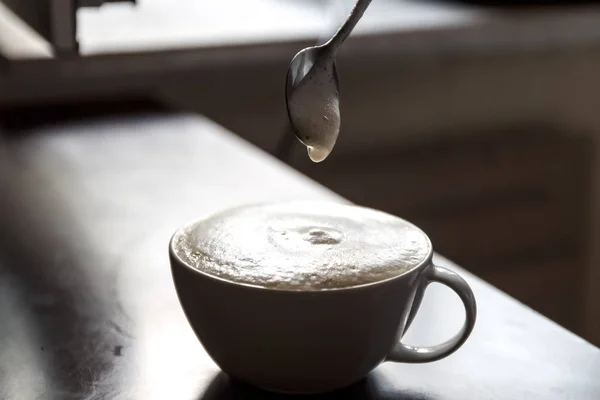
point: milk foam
(302, 245)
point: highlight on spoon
(317, 154)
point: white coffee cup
(312, 341)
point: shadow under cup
(308, 342)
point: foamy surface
(302, 245)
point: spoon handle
(342, 34)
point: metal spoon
(312, 90)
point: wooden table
(87, 305)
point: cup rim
(174, 256)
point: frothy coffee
(302, 245)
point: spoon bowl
(314, 114)
(299, 68)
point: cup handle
(410, 354)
